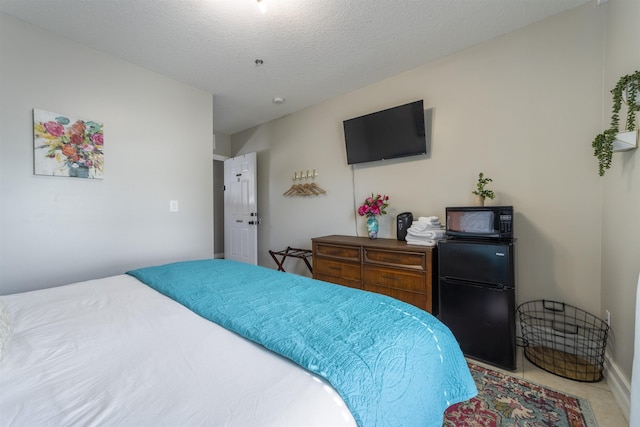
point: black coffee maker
(403, 222)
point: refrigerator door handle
(477, 284)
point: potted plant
(481, 192)
(627, 87)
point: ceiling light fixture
(262, 6)
(259, 61)
(278, 100)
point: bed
(221, 343)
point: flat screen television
(387, 134)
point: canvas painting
(67, 146)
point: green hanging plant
(603, 143)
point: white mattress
(115, 352)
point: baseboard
(219, 255)
(619, 385)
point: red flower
(374, 205)
(54, 128)
(76, 139)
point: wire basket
(563, 339)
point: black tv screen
(387, 134)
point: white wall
(158, 144)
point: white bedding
(115, 352)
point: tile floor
(604, 406)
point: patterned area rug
(507, 401)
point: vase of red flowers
(371, 208)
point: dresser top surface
(372, 243)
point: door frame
(218, 219)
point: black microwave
(480, 222)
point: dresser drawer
(338, 280)
(347, 253)
(394, 278)
(333, 268)
(412, 260)
(422, 301)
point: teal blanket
(392, 363)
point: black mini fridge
(477, 298)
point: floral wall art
(66, 146)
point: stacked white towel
(426, 231)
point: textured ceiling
(312, 49)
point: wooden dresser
(386, 266)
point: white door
(240, 209)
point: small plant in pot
(628, 86)
(481, 192)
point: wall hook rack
(307, 189)
(304, 175)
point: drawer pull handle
(390, 278)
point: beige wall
(513, 108)
(522, 108)
(621, 195)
